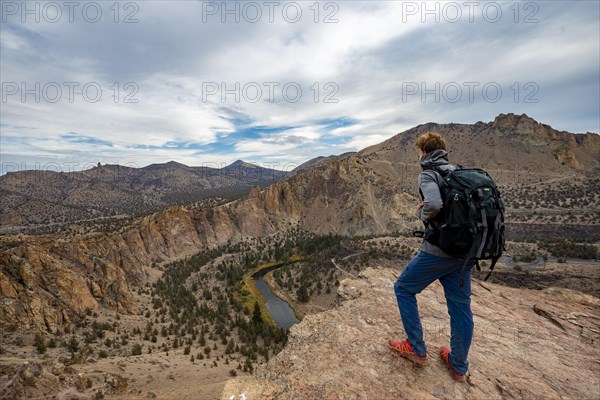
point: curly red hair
(430, 141)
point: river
(280, 311)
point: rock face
(44, 282)
(26, 379)
(527, 345)
(49, 379)
(341, 197)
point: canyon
(549, 179)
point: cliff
(527, 345)
(45, 282)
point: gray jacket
(430, 182)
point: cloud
(325, 88)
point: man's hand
(418, 207)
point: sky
(278, 83)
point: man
(432, 263)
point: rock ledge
(527, 345)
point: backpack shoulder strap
(493, 264)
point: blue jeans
(420, 272)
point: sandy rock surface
(527, 345)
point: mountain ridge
(366, 193)
(111, 189)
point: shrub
(40, 343)
(73, 344)
(136, 350)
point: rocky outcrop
(565, 145)
(50, 379)
(26, 380)
(532, 133)
(527, 345)
(566, 156)
(46, 282)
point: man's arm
(432, 202)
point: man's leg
(419, 273)
(458, 300)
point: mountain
(374, 191)
(37, 199)
(527, 345)
(364, 193)
(509, 143)
(313, 163)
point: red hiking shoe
(405, 350)
(445, 353)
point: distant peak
(241, 163)
(512, 120)
(169, 164)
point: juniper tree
(40, 343)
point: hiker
(432, 263)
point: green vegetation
(563, 248)
(212, 312)
(72, 344)
(40, 343)
(136, 350)
(210, 299)
(526, 258)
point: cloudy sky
(278, 83)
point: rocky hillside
(374, 190)
(509, 144)
(527, 345)
(46, 282)
(370, 192)
(34, 199)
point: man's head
(429, 142)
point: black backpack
(471, 222)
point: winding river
(280, 311)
